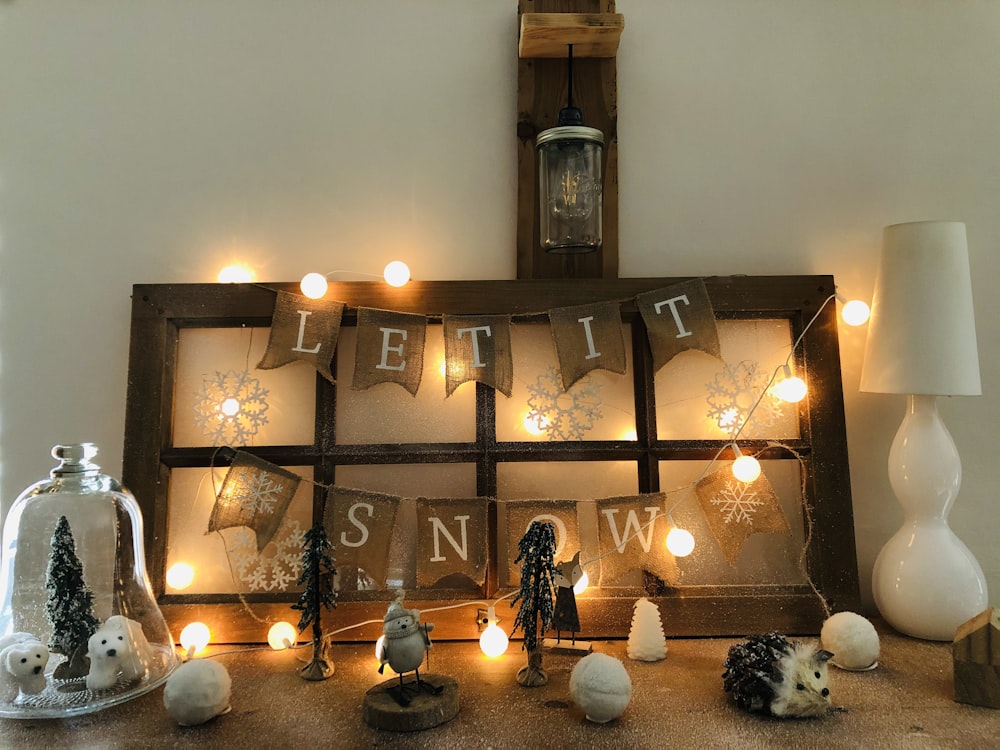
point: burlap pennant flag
(390, 349)
(359, 524)
(735, 510)
(678, 318)
(477, 347)
(588, 337)
(560, 513)
(255, 494)
(305, 330)
(451, 538)
(630, 539)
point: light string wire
(685, 493)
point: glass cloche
(79, 626)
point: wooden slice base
(564, 646)
(426, 709)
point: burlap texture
(477, 347)
(588, 337)
(305, 330)
(390, 349)
(679, 318)
(456, 542)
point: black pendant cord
(569, 68)
(570, 114)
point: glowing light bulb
(580, 586)
(237, 273)
(855, 313)
(745, 468)
(680, 542)
(396, 273)
(180, 576)
(282, 635)
(534, 423)
(493, 640)
(230, 407)
(378, 653)
(791, 388)
(195, 637)
(313, 285)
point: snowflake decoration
(738, 502)
(563, 414)
(278, 566)
(261, 495)
(733, 393)
(230, 407)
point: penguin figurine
(405, 642)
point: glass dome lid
(80, 629)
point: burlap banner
(303, 329)
(255, 494)
(588, 337)
(390, 349)
(477, 347)
(359, 524)
(628, 539)
(560, 513)
(735, 510)
(451, 538)
(678, 318)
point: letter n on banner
(359, 524)
(520, 513)
(627, 540)
(451, 538)
(303, 329)
(477, 347)
(390, 349)
(678, 318)
(588, 337)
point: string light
(580, 586)
(313, 285)
(282, 635)
(745, 468)
(493, 640)
(854, 312)
(195, 637)
(680, 542)
(791, 388)
(237, 273)
(180, 576)
(396, 273)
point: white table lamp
(922, 343)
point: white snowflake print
(230, 407)
(261, 494)
(733, 393)
(562, 414)
(277, 567)
(738, 502)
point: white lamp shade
(922, 335)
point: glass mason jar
(76, 601)
(570, 160)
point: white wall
(156, 141)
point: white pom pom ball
(197, 691)
(852, 640)
(601, 687)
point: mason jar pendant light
(570, 159)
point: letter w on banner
(303, 329)
(629, 539)
(359, 524)
(255, 494)
(678, 318)
(390, 349)
(477, 347)
(588, 337)
(451, 538)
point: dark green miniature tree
(319, 593)
(536, 552)
(70, 605)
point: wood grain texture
(591, 34)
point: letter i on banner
(678, 318)
(390, 349)
(477, 347)
(305, 330)
(588, 337)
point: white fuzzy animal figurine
(405, 642)
(22, 665)
(117, 649)
(197, 691)
(769, 674)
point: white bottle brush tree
(646, 641)
(70, 605)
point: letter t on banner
(678, 318)
(477, 347)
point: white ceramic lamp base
(926, 582)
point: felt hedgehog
(769, 674)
